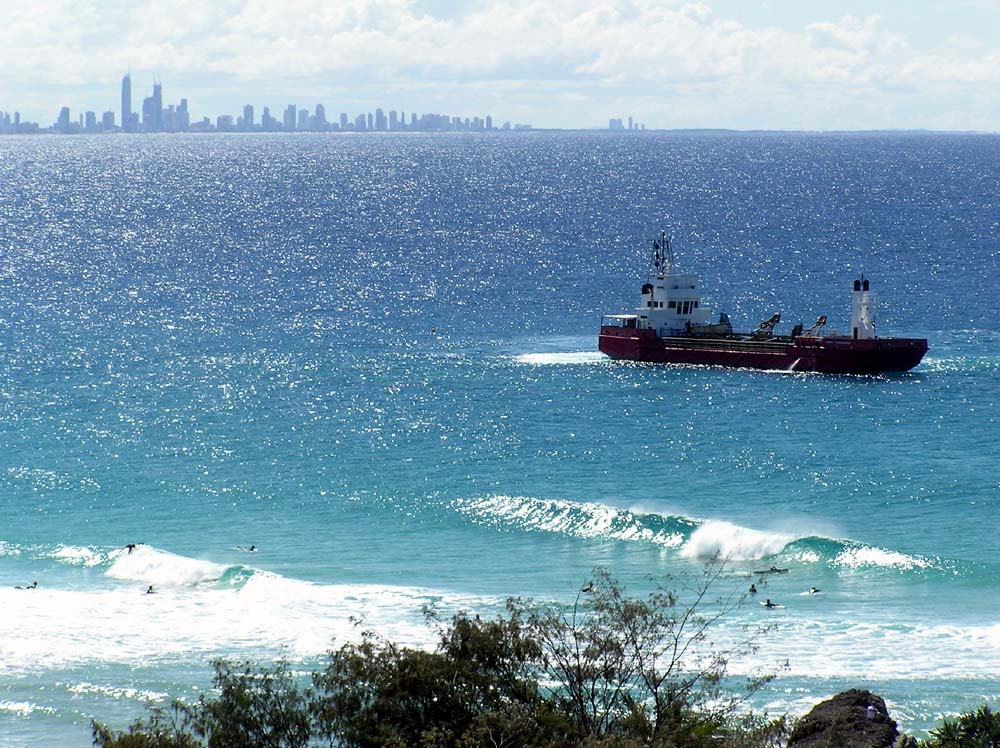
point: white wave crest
(24, 708)
(117, 692)
(161, 568)
(548, 359)
(78, 555)
(863, 556)
(729, 541)
(582, 520)
(9, 549)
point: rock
(844, 721)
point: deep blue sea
(374, 358)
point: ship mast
(663, 257)
(665, 245)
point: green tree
(641, 668)
(256, 707)
(974, 729)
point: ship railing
(620, 320)
(733, 344)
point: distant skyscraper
(629, 123)
(393, 120)
(126, 101)
(320, 124)
(303, 123)
(489, 122)
(371, 121)
(62, 125)
(157, 107)
(343, 120)
(248, 117)
(289, 118)
(381, 123)
(108, 121)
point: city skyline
(153, 116)
(751, 64)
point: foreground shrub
(975, 729)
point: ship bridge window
(672, 304)
(696, 305)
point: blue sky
(745, 64)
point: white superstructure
(670, 302)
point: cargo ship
(671, 326)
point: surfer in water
(247, 548)
(814, 590)
(150, 590)
(129, 547)
(769, 604)
(31, 586)
(752, 590)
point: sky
(740, 64)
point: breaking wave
(690, 538)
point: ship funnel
(862, 318)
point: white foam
(550, 359)
(161, 568)
(24, 708)
(117, 692)
(269, 616)
(863, 556)
(583, 520)
(78, 555)
(9, 549)
(729, 541)
(854, 650)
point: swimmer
(31, 586)
(150, 590)
(814, 590)
(753, 589)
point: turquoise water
(374, 358)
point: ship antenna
(668, 251)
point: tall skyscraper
(289, 120)
(248, 117)
(62, 124)
(320, 124)
(127, 101)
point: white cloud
(613, 46)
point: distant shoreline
(520, 131)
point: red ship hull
(823, 355)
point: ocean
(373, 357)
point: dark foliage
(975, 729)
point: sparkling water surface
(374, 358)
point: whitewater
(373, 360)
